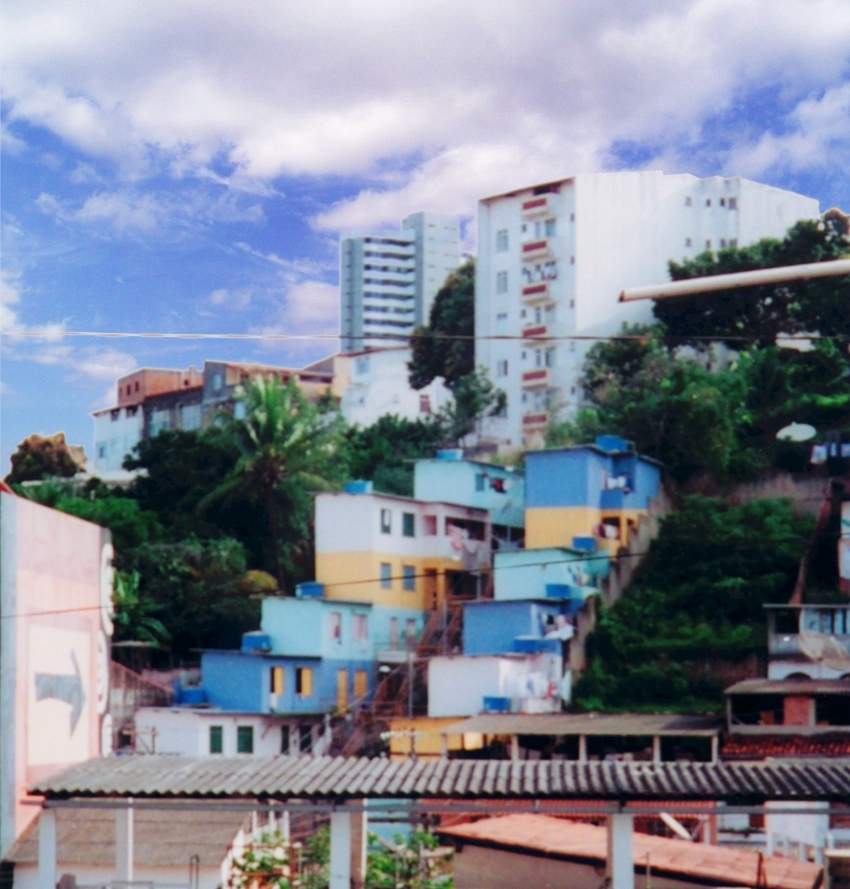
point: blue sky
(187, 167)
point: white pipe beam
(124, 842)
(730, 281)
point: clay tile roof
(559, 838)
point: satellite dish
(821, 648)
(797, 432)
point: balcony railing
(535, 294)
(535, 421)
(536, 249)
(535, 330)
(536, 379)
(536, 206)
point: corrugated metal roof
(716, 865)
(339, 778)
(162, 838)
(790, 687)
(642, 724)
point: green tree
(383, 453)
(136, 613)
(699, 594)
(474, 398)
(286, 447)
(759, 314)
(445, 347)
(40, 457)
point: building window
(408, 524)
(480, 482)
(722, 243)
(501, 240)
(708, 244)
(276, 680)
(244, 739)
(386, 576)
(502, 367)
(408, 578)
(304, 682)
(722, 202)
(305, 738)
(216, 739)
(708, 202)
(386, 521)
(410, 630)
(501, 323)
(733, 242)
(550, 228)
(424, 404)
(335, 624)
(429, 525)
(501, 282)
(360, 628)
(115, 414)
(284, 739)
(688, 201)
(689, 242)
(733, 203)
(361, 683)
(361, 366)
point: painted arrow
(63, 687)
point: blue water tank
(256, 641)
(585, 544)
(453, 454)
(496, 704)
(310, 589)
(358, 486)
(193, 697)
(612, 443)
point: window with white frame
(386, 521)
(501, 282)
(502, 367)
(501, 240)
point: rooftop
(600, 724)
(790, 687)
(556, 837)
(334, 779)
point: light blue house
(515, 627)
(498, 489)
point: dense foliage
(760, 314)
(700, 419)
(44, 456)
(697, 598)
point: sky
(187, 166)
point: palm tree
(286, 446)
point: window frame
(245, 739)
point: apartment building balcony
(539, 248)
(537, 420)
(535, 331)
(536, 294)
(536, 379)
(537, 206)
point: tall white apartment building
(553, 259)
(388, 281)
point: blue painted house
(591, 492)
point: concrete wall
(56, 601)
(490, 627)
(524, 574)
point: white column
(656, 748)
(124, 842)
(47, 849)
(621, 863)
(340, 864)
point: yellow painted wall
(426, 737)
(546, 527)
(356, 577)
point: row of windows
(303, 681)
(731, 203)
(408, 577)
(359, 627)
(245, 739)
(732, 242)
(408, 523)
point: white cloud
(237, 300)
(435, 103)
(103, 364)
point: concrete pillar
(715, 748)
(582, 748)
(47, 849)
(621, 863)
(124, 841)
(444, 746)
(349, 835)
(656, 748)
(514, 748)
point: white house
(553, 259)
